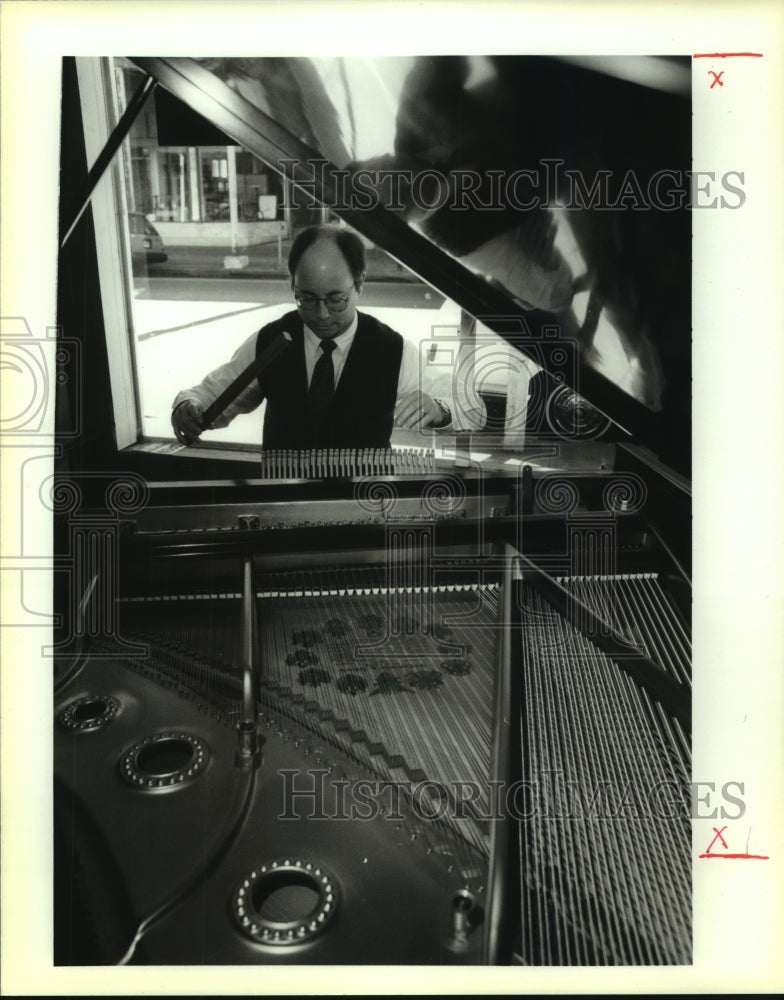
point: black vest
(361, 413)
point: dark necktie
(322, 383)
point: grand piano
(418, 706)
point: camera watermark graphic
(90, 507)
(38, 374)
(40, 412)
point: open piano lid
(545, 196)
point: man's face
(323, 271)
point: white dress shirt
(342, 344)
(468, 411)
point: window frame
(99, 104)
(100, 107)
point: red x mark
(718, 837)
(725, 854)
(717, 78)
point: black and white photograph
(368, 476)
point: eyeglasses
(336, 302)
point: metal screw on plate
(248, 522)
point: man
(342, 379)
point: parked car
(146, 243)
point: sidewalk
(263, 262)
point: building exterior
(199, 192)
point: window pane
(209, 231)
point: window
(200, 265)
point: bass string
(581, 932)
(666, 627)
(639, 767)
(646, 612)
(642, 610)
(606, 888)
(562, 865)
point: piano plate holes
(285, 902)
(89, 713)
(166, 760)
(161, 760)
(285, 896)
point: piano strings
(399, 681)
(606, 870)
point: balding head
(325, 281)
(348, 243)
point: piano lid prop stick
(244, 379)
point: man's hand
(187, 422)
(416, 410)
